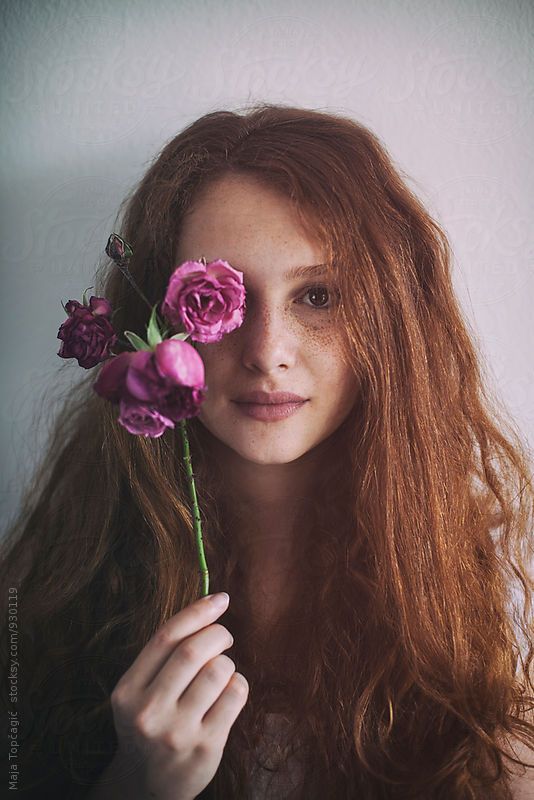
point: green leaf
(136, 341)
(153, 334)
(181, 336)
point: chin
(262, 453)
(265, 460)
(256, 449)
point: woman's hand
(174, 707)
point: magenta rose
(154, 388)
(208, 300)
(142, 419)
(87, 333)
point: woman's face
(287, 342)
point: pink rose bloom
(87, 334)
(142, 419)
(208, 300)
(156, 388)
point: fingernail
(220, 600)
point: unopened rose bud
(117, 249)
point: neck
(267, 503)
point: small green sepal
(136, 341)
(153, 332)
(84, 298)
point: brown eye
(319, 296)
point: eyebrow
(303, 272)
(299, 272)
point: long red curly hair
(409, 670)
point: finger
(156, 652)
(206, 687)
(185, 662)
(224, 712)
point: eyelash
(333, 295)
(319, 286)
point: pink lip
(266, 398)
(269, 412)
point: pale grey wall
(91, 91)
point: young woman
(368, 535)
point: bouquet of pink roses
(161, 381)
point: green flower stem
(196, 513)
(124, 268)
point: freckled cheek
(341, 378)
(217, 363)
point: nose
(268, 341)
